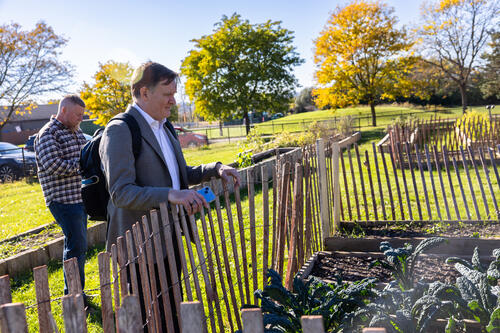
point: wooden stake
(41, 278)
(108, 321)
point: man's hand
(191, 200)
(225, 172)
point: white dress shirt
(165, 145)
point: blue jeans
(72, 219)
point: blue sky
(137, 31)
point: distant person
(159, 173)
(57, 150)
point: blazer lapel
(147, 132)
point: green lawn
(299, 122)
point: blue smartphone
(207, 193)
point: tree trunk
(463, 94)
(247, 122)
(374, 117)
(220, 128)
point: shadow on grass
(371, 134)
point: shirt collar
(152, 122)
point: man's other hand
(191, 200)
(225, 172)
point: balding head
(70, 112)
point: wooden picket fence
(474, 132)
(401, 185)
(222, 262)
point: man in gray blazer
(159, 173)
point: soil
(31, 241)
(445, 229)
(428, 269)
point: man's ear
(144, 92)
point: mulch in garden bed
(354, 268)
(444, 229)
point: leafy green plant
(244, 159)
(401, 261)
(479, 288)
(336, 302)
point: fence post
(312, 324)
(41, 277)
(323, 195)
(192, 317)
(129, 315)
(73, 277)
(74, 315)
(336, 186)
(13, 318)
(252, 320)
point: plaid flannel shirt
(57, 150)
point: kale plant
(401, 261)
(336, 302)
(479, 288)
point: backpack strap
(134, 130)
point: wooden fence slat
(486, 173)
(346, 186)
(296, 215)
(5, 297)
(168, 231)
(122, 260)
(129, 315)
(74, 314)
(396, 180)
(213, 282)
(459, 179)
(243, 246)
(440, 177)
(281, 218)
(265, 220)
(323, 198)
(116, 279)
(361, 179)
(219, 269)
(410, 165)
(354, 187)
(434, 192)
(402, 167)
(252, 320)
(471, 187)
(13, 316)
(336, 192)
(147, 248)
(131, 263)
(309, 236)
(193, 318)
(379, 182)
(479, 181)
(73, 277)
(372, 190)
(182, 253)
(494, 165)
(149, 303)
(227, 265)
(424, 185)
(315, 200)
(160, 265)
(41, 277)
(312, 324)
(389, 187)
(194, 269)
(452, 188)
(253, 235)
(108, 321)
(315, 224)
(233, 241)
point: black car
(14, 163)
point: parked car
(276, 115)
(31, 140)
(189, 139)
(14, 163)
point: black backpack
(95, 194)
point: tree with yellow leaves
(362, 57)
(453, 34)
(110, 93)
